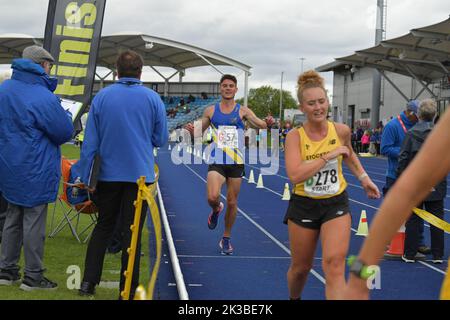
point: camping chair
(73, 207)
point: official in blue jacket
(125, 122)
(33, 125)
(391, 141)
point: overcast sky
(269, 35)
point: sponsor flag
(72, 36)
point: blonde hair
(307, 80)
(427, 110)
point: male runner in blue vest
(226, 119)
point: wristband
(358, 268)
(362, 176)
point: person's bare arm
(254, 121)
(430, 166)
(206, 118)
(205, 122)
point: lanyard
(401, 123)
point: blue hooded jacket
(392, 140)
(32, 127)
(126, 120)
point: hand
(370, 188)
(269, 121)
(342, 150)
(189, 127)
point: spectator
(284, 133)
(434, 203)
(359, 134)
(365, 141)
(354, 141)
(377, 139)
(391, 141)
(373, 141)
(33, 125)
(3, 203)
(380, 126)
(3, 207)
(125, 122)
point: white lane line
(270, 236)
(434, 268)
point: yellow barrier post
(125, 294)
(148, 194)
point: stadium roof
(424, 54)
(12, 45)
(162, 52)
(155, 51)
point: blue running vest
(227, 155)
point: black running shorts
(312, 213)
(228, 170)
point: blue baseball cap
(412, 106)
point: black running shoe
(8, 277)
(29, 284)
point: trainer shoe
(86, 289)
(417, 257)
(225, 246)
(424, 249)
(214, 217)
(408, 259)
(8, 277)
(29, 284)
(437, 260)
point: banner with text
(72, 36)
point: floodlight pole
(281, 97)
(246, 73)
(302, 59)
(376, 78)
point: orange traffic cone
(397, 246)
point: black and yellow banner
(72, 36)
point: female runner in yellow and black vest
(319, 204)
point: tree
(266, 99)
